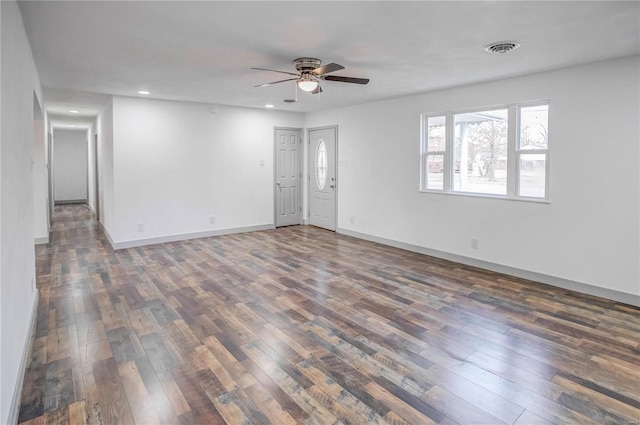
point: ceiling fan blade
(275, 82)
(346, 79)
(317, 90)
(330, 67)
(275, 70)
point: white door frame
(310, 170)
(50, 166)
(95, 176)
(275, 177)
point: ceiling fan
(310, 73)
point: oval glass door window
(321, 165)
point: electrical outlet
(140, 227)
(475, 243)
(212, 219)
(352, 220)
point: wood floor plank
(492, 404)
(241, 406)
(282, 398)
(457, 408)
(193, 387)
(114, 407)
(137, 395)
(343, 402)
(299, 325)
(173, 393)
(598, 396)
(400, 408)
(77, 413)
(268, 405)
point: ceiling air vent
(502, 47)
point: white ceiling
(202, 51)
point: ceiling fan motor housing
(307, 64)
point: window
(321, 165)
(501, 152)
(435, 152)
(480, 148)
(532, 152)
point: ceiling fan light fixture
(307, 84)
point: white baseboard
(186, 236)
(91, 209)
(14, 410)
(41, 241)
(109, 238)
(70, 201)
(623, 297)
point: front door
(288, 177)
(322, 178)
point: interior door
(322, 178)
(288, 177)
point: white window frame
(425, 153)
(513, 152)
(519, 152)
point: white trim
(448, 179)
(70, 201)
(104, 230)
(186, 236)
(585, 288)
(519, 152)
(14, 409)
(92, 210)
(488, 196)
(41, 241)
(513, 141)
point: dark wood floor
(304, 326)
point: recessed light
(268, 105)
(74, 111)
(143, 92)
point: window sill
(488, 196)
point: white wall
(91, 169)
(588, 233)
(177, 163)
(105, 168)
(40, 177)
(17, 263)
(2, 415)
(70, 156)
